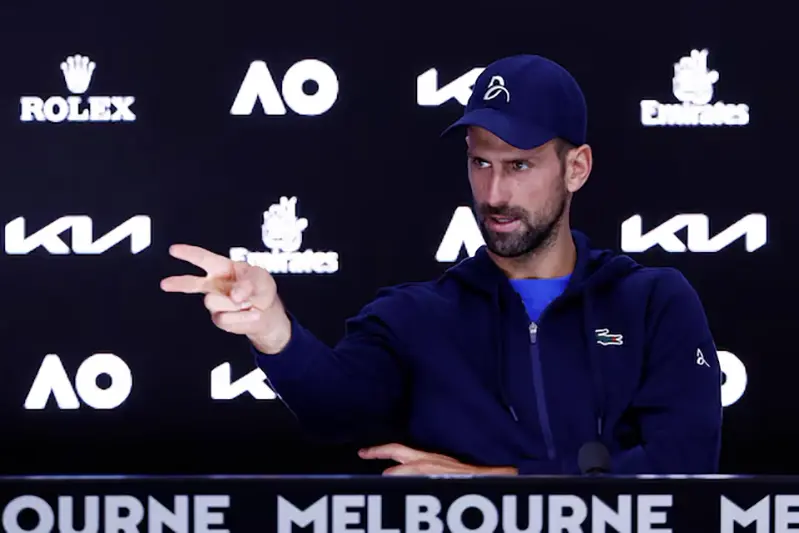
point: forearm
(342, 394)
(693, 454)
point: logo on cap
(495, 87)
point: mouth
(502, 223)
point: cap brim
(513, 131)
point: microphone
(593, 458)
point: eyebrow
(469, 153)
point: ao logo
(463, 232)
(735, 378)
(52, 379)
(259, 84)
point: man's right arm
(351, 391)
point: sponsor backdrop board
(306, 141)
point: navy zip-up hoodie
(624, 356)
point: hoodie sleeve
(345, 393)
(679, 401)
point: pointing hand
(241, 298)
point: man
(513, 361)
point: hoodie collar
(593, 266)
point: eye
(520, 165)
(479, 163)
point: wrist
(275, 340)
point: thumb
(242, 291)
(243, 288)
(254, 285)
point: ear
(578, 165)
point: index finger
(395, 452)
(196, 284)
(213, 264)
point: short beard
(531, 237)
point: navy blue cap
(526, 100)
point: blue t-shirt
(538, 293)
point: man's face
(520, 196)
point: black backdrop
(376, 186)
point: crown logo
(78, 72)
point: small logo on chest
(605, 338)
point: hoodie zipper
(540, 397)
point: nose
(496, 191)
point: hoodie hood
(593, 269)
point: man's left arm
(679, 402)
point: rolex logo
(78, 71)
